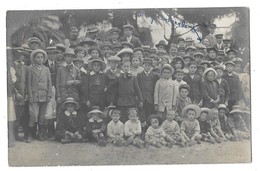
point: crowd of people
(121, 92)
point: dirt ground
(53, 154)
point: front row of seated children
(198, 124)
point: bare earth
(53, 154)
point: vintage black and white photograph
(128, 86)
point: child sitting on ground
(216, 128)
(133, 129)
(190, 128)
(223, 111)
(115, 128)
(155, 135)
(237, 124)
(68, 128)
(205, 126)
(172, 130)
(95, 126)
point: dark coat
(223, 91)
(147, 85)
(235, 87)
(209, 92)
(195, 87)
(128, 91)
(135, 41)
(39, 84)
(53, 71)
(64, 91)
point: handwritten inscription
(182, 24)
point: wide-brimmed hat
(124, 51)
(70, 100)
(38, 51)
(191, 47)
(128, 44)
(33, 39)
(167, 66)
(114, 29)
(236, 109)
(205, 62)
(90, 62)
(223, 106)
(106, 44)
(201, 46)
(230, 62)
(88, 41)
(207, 70)
(60, 47)
(237, 60)
(96, 109)
(114, 58)
(154, 116)
(117, 45)
(69, 51)
(148, 60)
(92, 29)
(128, 26)
(198, 54)
(186, 86)
(232, 50)
(138, 49)
(161, 43)
(212, 48)
(194, 107)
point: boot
(51, 130)
(40, 133)
(45, 133)
(34, 131)
(29, 135)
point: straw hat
(236, 109)
(167, 66)
(103, 64)
(96, 109)
(38, 51)
(193, 107)
(124, 51)
(70, 100)
(210, 69)
(223, 106)
(207, 110)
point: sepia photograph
(142, 86)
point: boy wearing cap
(128, 91)
(95, 126)
(210, 89)
(212, 53)
(96, 80)
(211, 37)
(182, 100)
(114, 34)
(161, 45)
(194, 81)
(181, 43)
(219, 42)
(190, 127)
(20, 93)
(234, 84)
(164, 92)
(147, 81)
(179, 74)
(129, 37)
(112, 74)
(70, 124)
(34, 43)
(224, 88)
(237, 124)
(39, 92)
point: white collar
(230, 74)
(65, 64)
(50, 62)
(147, 73)
(83, 70)
(92, 120)
(67, 113)
(18, 63)
(93, 73)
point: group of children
(121, 92)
